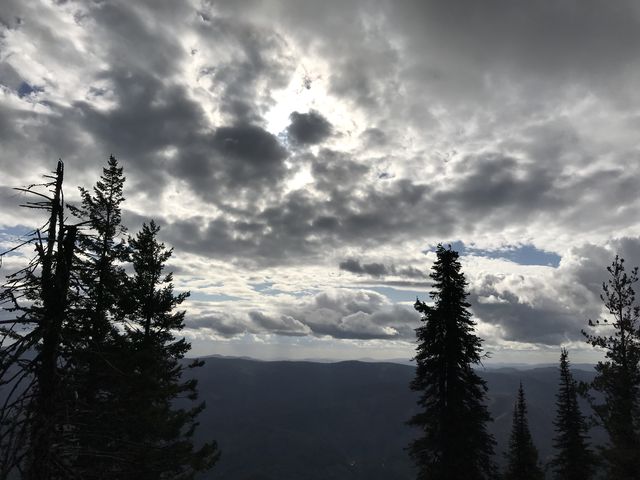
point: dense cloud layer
(308, 128)
(380, 269)
(338, 313)
(345, 138)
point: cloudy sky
(304, 157)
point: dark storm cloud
(335, 171)
(379, 269)
(494, 183)
(234, 159)
(250, 147)
(153, 124)
(532, 324)
(373, 269)
(280, 325)
(374, 137)
(222, 323)
(308, 128)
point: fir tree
(618, 377)
(454, 443)
(96, 348)
(573, 459)
(100, 245)
(90, 370)
(159, 433)
(522, 456)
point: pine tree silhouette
(573, 459)
(92, 376)
(618, 377)
(159, 433)
(94, 346)
(454, 443)
(522, 456)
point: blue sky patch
(397, 296)
(24, 90)
(16, 231)
(262, 287)
(520, 254)
(266, 288)
(216, 297)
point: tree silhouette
(33, 370)
(522, 455)
(91, 373)
(454, 443)
(618, 377)
(573, 459)
(94, 346)
(159, 433)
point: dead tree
(34, 423)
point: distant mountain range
(286, 420)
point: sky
(304, 158)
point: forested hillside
(292, 420)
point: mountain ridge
(345, 420)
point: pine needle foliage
(617, 378)
(453, 443)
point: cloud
(336, 313)
(550, 306)
(355, 314)
(281, 325)
(372, 269)
(308, 128)
(379, 269)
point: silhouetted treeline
(89, 363)
(453, 443)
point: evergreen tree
(522, 456)
(96, 347)
(91, 374)
(103, 248)
(158, 433)
(618, 377)
(573, 459)
(454, 442)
